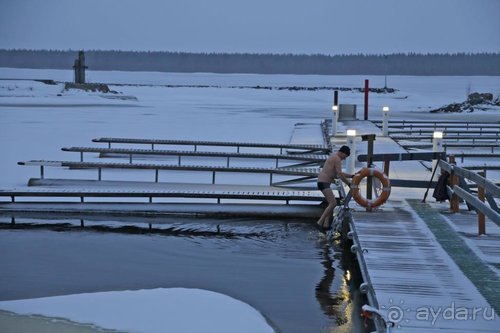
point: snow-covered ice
(149, 311)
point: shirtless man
(332, 169)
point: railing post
(369, 159)
(481, 222)
(367, 89)
(454, 207)
(386, 167)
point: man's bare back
(331, 169)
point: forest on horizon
(484, 64)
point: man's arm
(342, 175)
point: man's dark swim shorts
(323, 185)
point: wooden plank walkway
(103, 165)
(434, 124)
(284, 195)
(104, 152)
(306, 173)
(96, 192)
(154, 213)
(420, 145)
(487, 246)
(462, 132)
(411, 270)
(198, 143)
(410, 275)
(465, 137)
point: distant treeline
(359, 64)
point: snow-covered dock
(416, 285)
(229, 201)
(125, 197)
(420, 273)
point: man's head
(344, 152)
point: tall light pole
(351, 143)
(335, 117)
(437, 145)
(385, 126)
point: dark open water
(286, 270)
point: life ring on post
(381, 199)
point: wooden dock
(130, 153)
(408, 274)
(305, 173)
(422, 271)
(306, 148)
(290, 197)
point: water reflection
(332, 305)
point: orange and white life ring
(381, 199)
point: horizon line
(255, 53)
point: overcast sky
(256, 26)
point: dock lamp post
(351, 143)
(437, 145)
(335, 117)
(385, 126)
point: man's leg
(327, 214)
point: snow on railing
(458, 189)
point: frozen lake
(37, 122)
